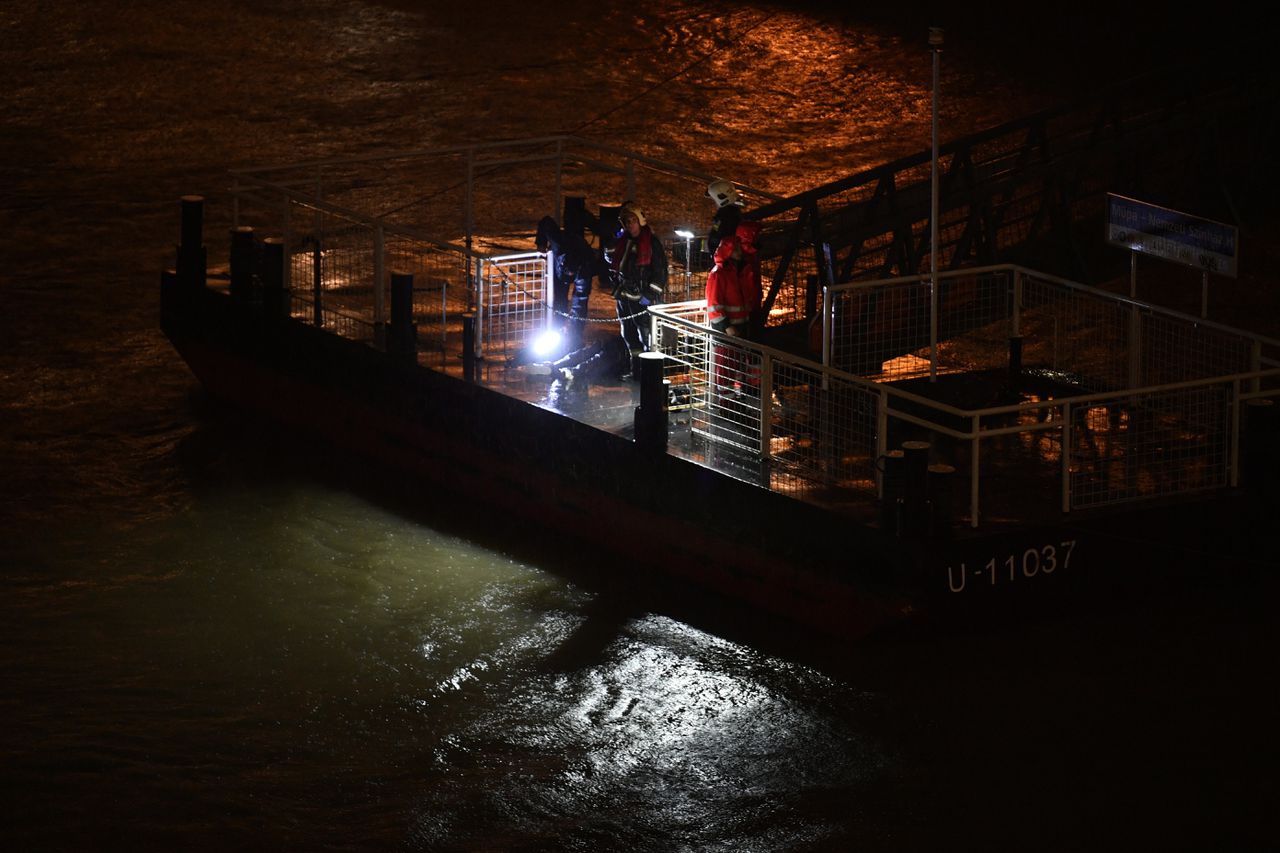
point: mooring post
(275, 299)
(915, 498)
(651, 416)
(469, 347)
(243, 249)
(403, 342)
(1015, 360)
(192, 257)
(941, 500)
(892, 470)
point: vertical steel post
(1255, 365)
(974, 467)
(1066, 457)
(1016, 308)
(317, 256)
(1233, 464)
(827, 312)
(549, 289)
(882, 432)
(766, 405)
(469, 347)
(379, 275)
(555, 207)
(469, 213)
(287, 244)
(317, 284)
(688, 268)
(477, 295)
(935, 43)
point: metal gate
(513, 302)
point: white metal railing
(471, 191)
(514, 302)
(881, 330)
(349, 223)
(827, 427)
(1159, 407)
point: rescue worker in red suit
(639, 268)
(733, 299)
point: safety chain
(506, 280)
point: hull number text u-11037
(1034, 561)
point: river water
(207, 647)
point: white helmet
(630, 207)
(722, 193)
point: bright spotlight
(685, 233)
(546, 343)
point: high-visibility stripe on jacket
(733, 285)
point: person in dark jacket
(638, 266)
(574, 265)
(602, 360)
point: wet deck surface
(609, 403)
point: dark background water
(205, 647)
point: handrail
(1118, 298)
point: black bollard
(403, 340)
(891, 489)
(275, 299)
(915, 491)
(1015, 360)
(243, 258)
(192, 258)
(651, 416)
(941, 500)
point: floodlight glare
(545, 343)
(685, 233)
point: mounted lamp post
(935, 45)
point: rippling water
(206, 649)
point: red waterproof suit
(733, 293)
(733, 285)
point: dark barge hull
(642, 510)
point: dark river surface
(203, 647)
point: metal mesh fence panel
(1150, 445)
(332, 265)
(1076, 334)
(822, 430)
(1175, 350)
(514, 302)
(440, 293)
(816, 429)
(877, 330)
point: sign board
(1200, 243)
